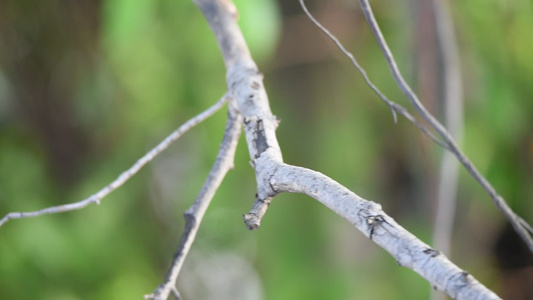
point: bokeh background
(87, 87)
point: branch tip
(252, 221)
(176, 294)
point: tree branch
(273, 176)
(394, 107)
(195, 214)
(453, 114)
(126, 175)
(500, 203)
(448, 143)
(369, 218)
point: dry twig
(453, 114)
(126, 175)
(447, 140)
(393, 106)
(514, 219)
(194, 215)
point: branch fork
(249, 104)
(273, 176)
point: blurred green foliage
(115, 77)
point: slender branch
(500, 203)
(273, 176)
(453, 113)
(175, 293)
(126, 175)
(194, 215)
(394, 107)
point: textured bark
(245, 85)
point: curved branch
(373, 222)
(500, 203)
(126, 175)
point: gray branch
(453, 114)
(273, 176)
(126, 175)
(394, 107)
(195, 214)
(516, 221)
(453, 88)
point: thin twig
(393, 106)
(126, 175)
(500, 203)
(453, 113)
(194, 215)
(176, 294)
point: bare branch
(245, 85)
(195, 214)
(373, 222)
(453, 114)
(126, 175)
(394, 107)
(273, 176)
(500, 203)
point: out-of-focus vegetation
(87, 87)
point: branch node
(373, 222)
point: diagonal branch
(373, 222)
(449, 143)
(244, 83)
(126, 175)
(394, 107)
(194, 215)
(520, 225)
(514, 219)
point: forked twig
(126, 175)
(194, 215)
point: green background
(87, 87)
